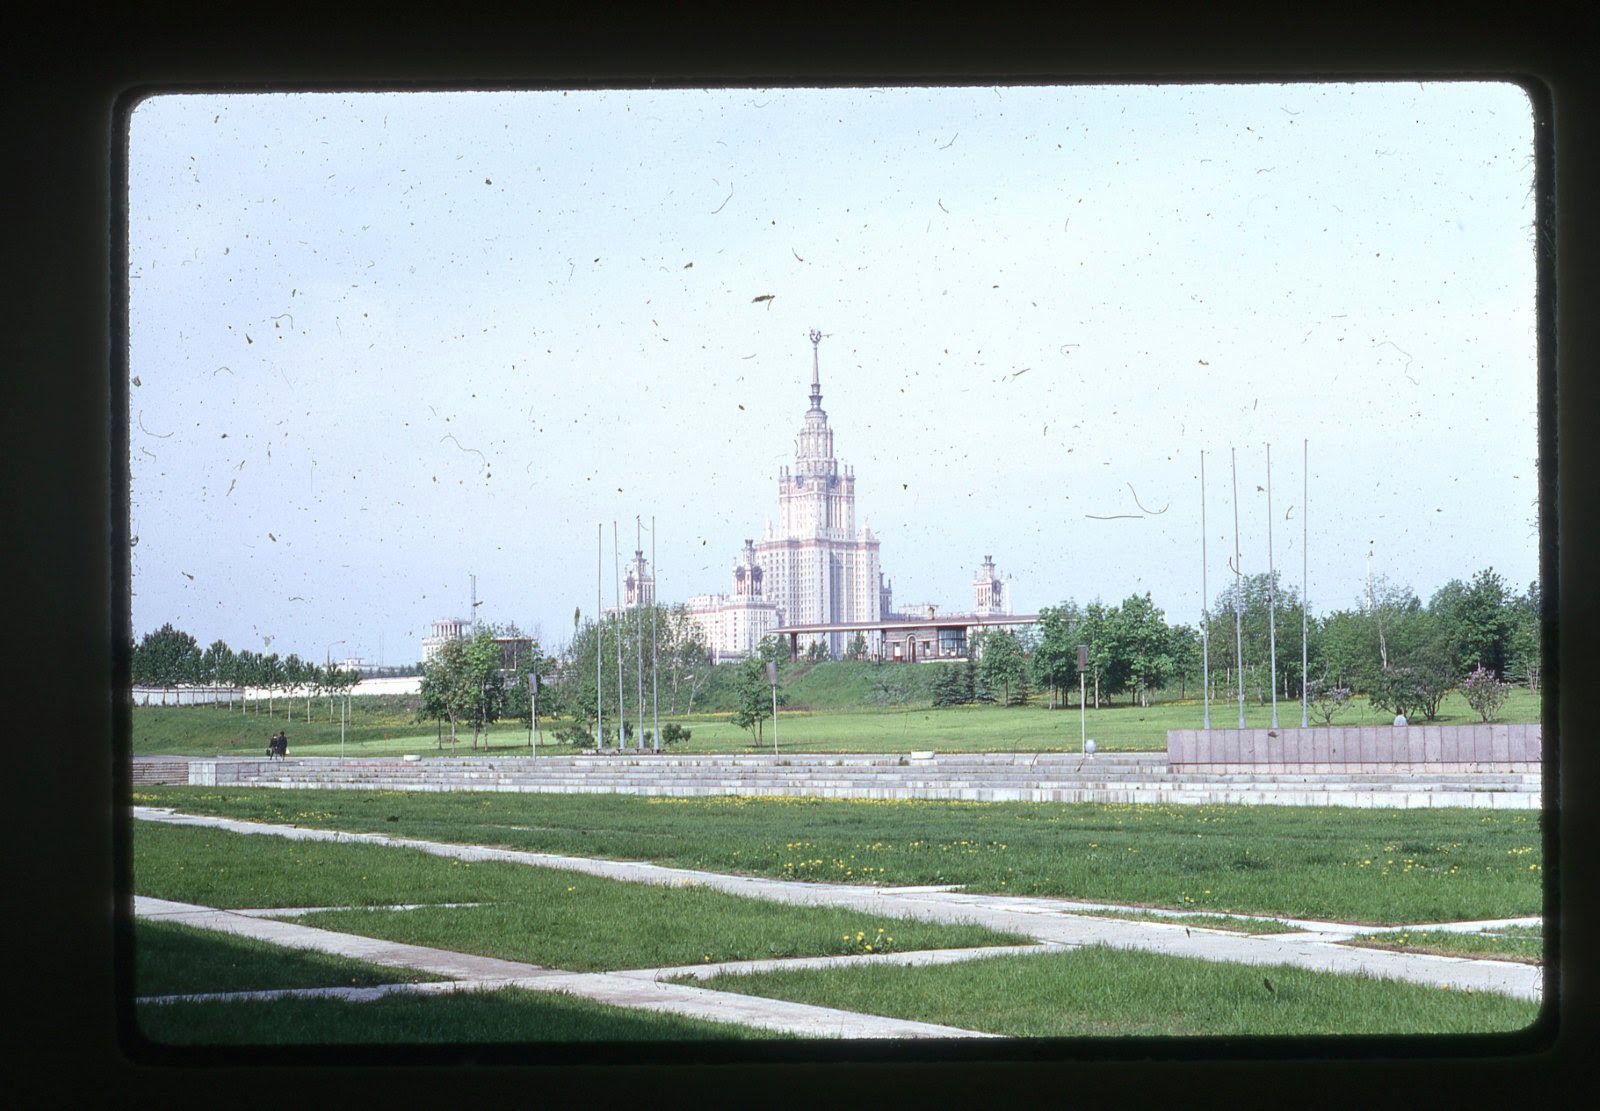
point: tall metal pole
(1272, 593)
(1238, 589)
(638, 624)
(616, 571)
(772, 678)
(1305, 602)
(1205, 595)
(599, 640)
(655, 688)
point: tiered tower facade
(818, 568)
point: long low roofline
(953, 621)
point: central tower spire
(816, 375)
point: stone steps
(1049, 777)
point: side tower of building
(991, 595)
(733, 624)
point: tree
(1348, 655)
(753, 696)
(523, 701)
(1183, 645)
(774, 649)
(1144, 640)
(269, 674)
(166, 658)
(484, 677)
(450, 687)
(294, 678)
(1478, 618)
(1268, 611)
(857, 649)
(1055, 657)
(1525, 646)
(1002, 664)
(950, 686)
(219, 667)
(1109, 669)
(816, 652)
(1424, 673)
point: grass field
(383, 726)
(1511, 943)
(173, 959)
(1102, 992)
(1383, 867)
(516, 912)
(508, 1016)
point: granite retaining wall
(1516, 749)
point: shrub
(574, 733)
(672, 733)
(1326, 699)
(1485, 693)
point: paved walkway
(1053, 923)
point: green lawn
(510, 1015)
(1376, 866)
(535, 915)
(383, 727)
(1236, 925)
(1101, 992)
(1512, 944)
(174, 959)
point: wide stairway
(986, 777)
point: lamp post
(772, 678)
(1083, 694)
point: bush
(574, 733)
(1326, 699)
(672, 733)
(1485, 693)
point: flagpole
(616, 571)
(1205, 614)
(1238, 588)
(655, 686)
(1305, 602)
(599, 636)
(638, 624)
(1272, 596)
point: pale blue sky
(380, 342)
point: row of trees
(1391, 646)
(170, 658)
(471, 682)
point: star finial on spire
(816, 376)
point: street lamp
(772, 678)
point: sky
(380, 343)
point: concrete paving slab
(1045, 920)
(473, 972)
